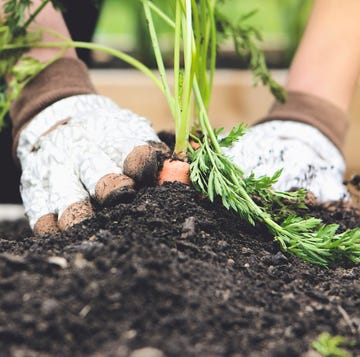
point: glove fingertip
(142, 163)
(114, 188)
(46, 225)
(74, 214)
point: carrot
(174, 171)
(194, 144)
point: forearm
(327, 62)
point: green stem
(178, 82)
(124, 57)
(204, 85)
(183, 128)
(204, 120)
(213, 50)
(91, 46)
(162, 15)
(35, 13)
(158, 56)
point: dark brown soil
(173, 272)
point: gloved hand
(79, 148)
(308, 158)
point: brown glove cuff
(313, 110)
(64, 78)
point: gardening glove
(79, 148)
(309, 160)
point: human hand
(77, 149)
(308, 158)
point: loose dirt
(172, 272)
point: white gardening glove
(308, 158)
(75, 149)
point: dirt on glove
(173, 272)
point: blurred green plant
(331, 346)
(281, 23)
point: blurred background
(120, 24)
(281, 22)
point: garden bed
(173, 272)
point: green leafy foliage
(316, 242)
(14, 13)
(246, 38)
(15, 40)
(253, 199)
(330, 346)
(234, 135)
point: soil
(169, 274)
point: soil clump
(169, 274)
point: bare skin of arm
(327, 62)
